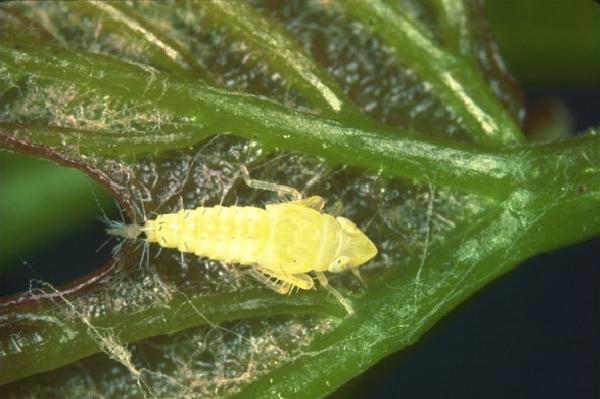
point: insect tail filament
(127, 231)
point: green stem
(396, 152)
(457, 82)
(564, 164)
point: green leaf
(400, 110)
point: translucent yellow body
(281, 243)
(287, 238)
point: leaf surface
(400, 111)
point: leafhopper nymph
(281, 244)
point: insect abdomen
(231, 234)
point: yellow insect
(281, 243)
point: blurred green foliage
(555, 43)
(40, 203)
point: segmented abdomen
(231, 234)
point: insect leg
(337, 209)
(289, 281)
(356, 273)
(315, 202)
(299, 280)
(269, 186)
(325, 284)
(266, 280)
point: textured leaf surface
(400, 110)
